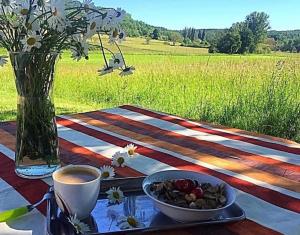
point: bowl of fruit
(188, 196)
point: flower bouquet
(35, 32)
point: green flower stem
(121, 54)
(103, 53)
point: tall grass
(257, 93)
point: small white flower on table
(80, 227)
(129, 222)
(117, 61)
(119, 159)
(105, 70)
(127, 71)
(107, 172)
(131, 150)
(115, 195)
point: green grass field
(257, 92)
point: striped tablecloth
(264, 170)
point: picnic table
(265, 171)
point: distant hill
(136, 28)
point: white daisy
(119, 15)
(80, 227)
(22, 8)
(115, 195)
(87, 5)
(119, 159)
(121, 36)
(130, 150)
(117, 61)
(105, 70)
(129, 222)
(107, 172)
(58, 19)
(127, 71)
(81, 49)
(94, 26)
(31, 41)
(109, 20)
(113, 36)
(3, 60)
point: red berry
(198, 192)
(185, 185)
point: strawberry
(185, 185)
(198, 192)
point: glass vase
(37, 152)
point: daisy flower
(22, 8)
(3, 60)
(117, 61)
(127, 71)
(87, 5)
(57, 19)
(94, 26)
(119, 159)
(107, 172)
(105, 70)
(81, 50)
(80, 227)
(115, 195)
(130, 149)
(121, 36)
(129, 222)
(31, 41)
(120, 14)
(113, 36)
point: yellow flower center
(115, 33)
(120, 160)
(105, 174)
(93, 25)
(31, 41)
(24, 11)
(132, 222)
(55, 12)
(116, 195)
(131, 152)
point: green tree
(258, 23)
(175, 37)
(247, 39)
(230, 43)
(156, 34)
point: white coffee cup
(78, 198)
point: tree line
(249, 36)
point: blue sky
(176, 14)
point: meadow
(258, 93)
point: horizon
(283, 15)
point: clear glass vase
(36, 139)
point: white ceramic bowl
(187, 214)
